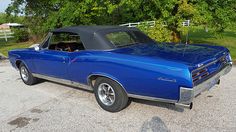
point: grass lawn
(227, 39)
(5, 47)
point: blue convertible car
(119, 63)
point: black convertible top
(93, 37)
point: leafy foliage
(4, 18)
(42, 15)
(21, 34)
(159, 32)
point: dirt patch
(35, 119)
(36, 111)
(20, 122)
(209, 96)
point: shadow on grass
(229, 34)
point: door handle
(64, 60)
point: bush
(21, 34)
(158, 32)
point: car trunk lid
(192, 55)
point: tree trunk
(176, 36)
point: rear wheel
(110, 95)
(26, 76)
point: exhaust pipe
(189, 106)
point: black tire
(30, 80)
(121, 98)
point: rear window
(126, 38)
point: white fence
(6, 33)
(149, 23)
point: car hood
(191, 54)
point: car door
(51, 62)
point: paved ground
(52, 107)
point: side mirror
(35, 46)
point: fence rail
(6, 33)
(134, 24)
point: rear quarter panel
(140, 76)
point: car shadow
(168, 106)
(156, 124)
(141, 101)
(69, 86)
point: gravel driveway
(49, 106)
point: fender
(15, 58)
(22, 61)
(107, 76)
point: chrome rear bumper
(187, 94)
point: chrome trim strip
(193, 91)
(63, 81)
(152, 98)
(87, 87)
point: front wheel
(110, 95)
(26, 76)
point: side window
(65, 42)
(120, 38)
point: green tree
(2, 18)
(43, 15)
(217, 14)
(158, 32)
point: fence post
(5, 35)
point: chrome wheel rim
(106, 94)
(24, 73)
